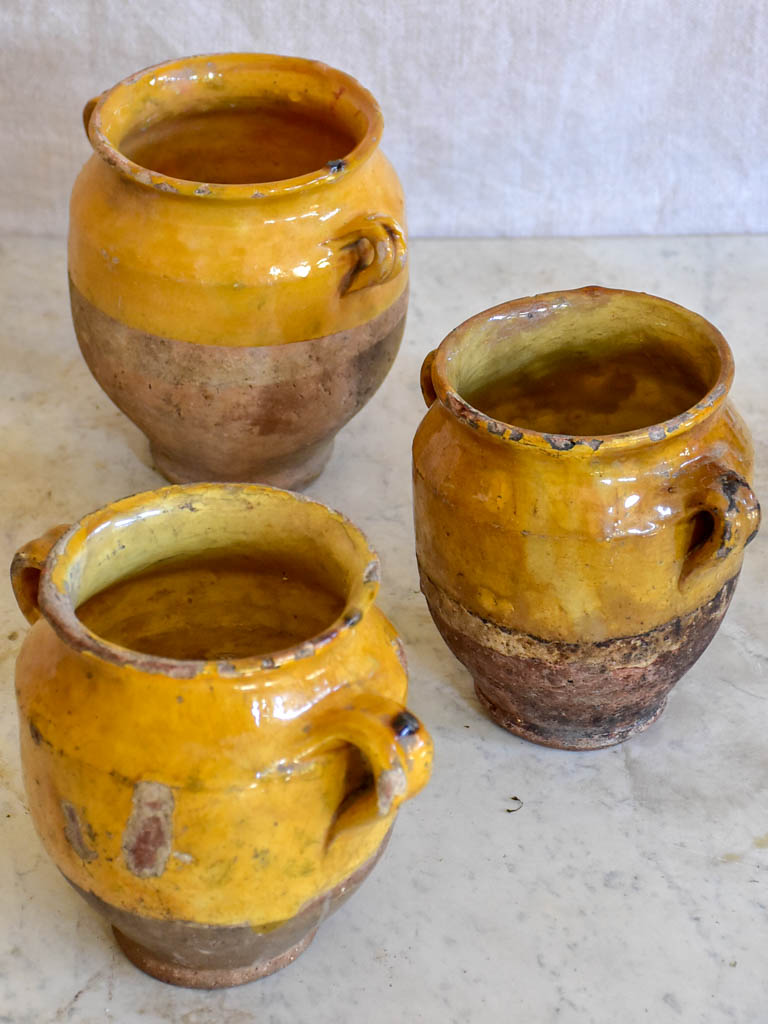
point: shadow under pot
(238, 261)
(581, 506)
(213, 738)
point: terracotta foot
(211, 977)
(293, 472)
(569, 737)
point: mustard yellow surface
(256, 263)
(579, 538)
(259, 760)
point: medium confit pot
(239, 321)
(215, 811)
(576, 575)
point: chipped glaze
(211, 794)
(534, 547)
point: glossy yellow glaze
(238, 261)
(283, 771)
(581, 537)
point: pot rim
(545, 304)
(57, 607)
(186, 69)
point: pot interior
(249, 140)
(231, 604)
(587, 368)
(214, 572)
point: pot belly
(267, 414)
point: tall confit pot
(238, 261)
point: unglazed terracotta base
(259, 414)
(589, 739)
(575, 696)
(211, 956)
(207, 977)
(292, 473)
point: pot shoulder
(230, 726)
(271, 270)
(567, 546)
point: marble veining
(525, 884)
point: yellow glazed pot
(237, 261)
(582, 505)
(215, 807)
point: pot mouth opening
(228, 579)
(235, 126)
(583, 370)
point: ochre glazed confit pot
(582, 505)
(237, 261)
(213, 736)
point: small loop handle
(380, 250)
(427, 384)
(26, 567)
(735, 512)
(88, 109)
(393, 742)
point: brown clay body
(243, 413)
(218, 956)
(239, 321)
(579, 574)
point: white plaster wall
(533, 117)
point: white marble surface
(631, 885)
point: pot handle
(735, 515)
(427, 386)
(394, 743)
(89, 108)
(26, 567)
(380, 250)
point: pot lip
(186, 68)
(57, 607)
(544, 303)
